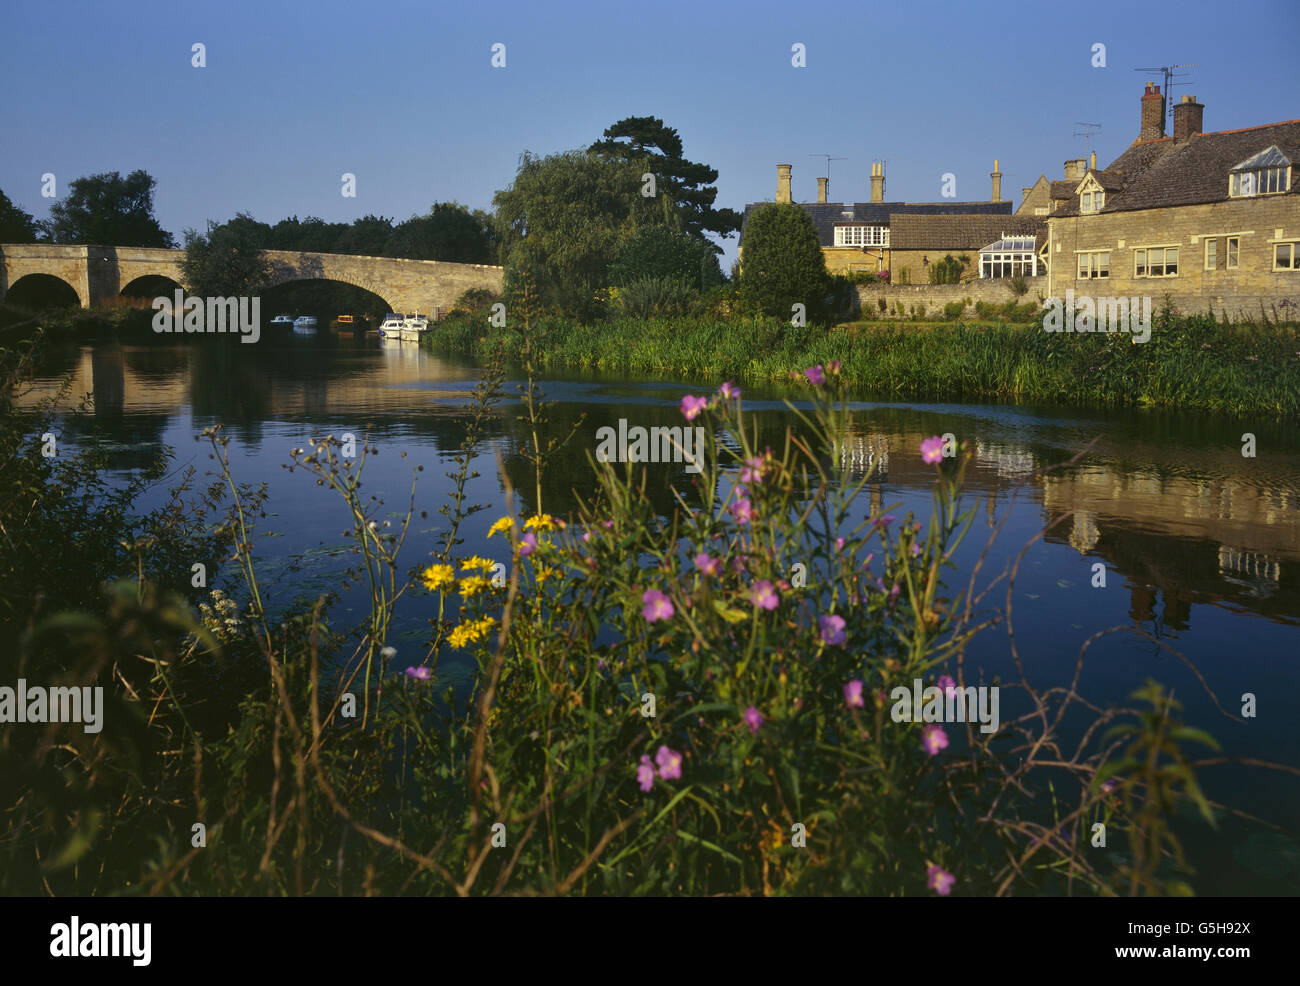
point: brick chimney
(1153, 113)
(877, 182)
(997, 182)
(1074, 169)
(783, 183)
(822, 185)
(1188, 115)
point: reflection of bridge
(99, 273)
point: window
(862, 236)
(1212, 253)
(1095, 264)
(1267, 173)
(1011, 256)
(1286, 256)
(1233, 252)
(1092, 201)
(1155, 262)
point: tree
(16, 226)
(685, 186)
(366, 237)
(227, 260)
(109, 210)
(449, 232)
(660, 252)
(313, 235)
(946, 271)
(782, 263)
(572, 212)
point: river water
(1200, 544)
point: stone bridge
(101, 273)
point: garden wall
(993, 290)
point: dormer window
(1092, 201)
(1267, 173)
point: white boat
(414, 326)
(391, 326)
(305, 322)
(283, 321)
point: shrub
(650, 297)
(883, 304)
(784, 264)
(899, 309)
(659, 252)
(475, 301)
(1018, 286)
(953, 309)
(945, 271)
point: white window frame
(1142, 258)
(1232, 253)
(1211, 253)
(1274, 180)
(1090, 267)
(1294, 249)
(871, 236)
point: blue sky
(403, 95)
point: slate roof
(1064, 189)
(826, 214)
(967, 232)
(1164, 173)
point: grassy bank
(1190, 362)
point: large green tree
(656, 252)
(566, 216)
(782, 264)
(227, 260)
(109, 210)
(16, 226)
(686, 187)
(449, 232)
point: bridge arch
(42, 291)
(150, 286)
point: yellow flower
(542, 522)
(482, 564)
(503, 526)
(471, 632)
(471, 585)
(437, 577)
(546, 571)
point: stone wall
(934, 296)
(1258, 223)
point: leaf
(1194, 735)
(708, 845)
(730, 615)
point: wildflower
(437, 577)
(738, 564)
(471, 586)
(832, 628)
(645, 774)
(834, 367)
(815, 375)
(707, 564)
(764, 596)
(729, 390)
(544, 572)
(932, 450)
(753, 719)
(542, 522)
(422, 673)
(657, 606)
(528, 545)
(742, 510)
(933, 739)
(839, 544)
(1108, 786)
(670, 764)
(586, 537)
(946, 683)
(388, 653)
(753, 471)
(470, 632)
(916, 548)
(476, 564)
(882, 522)
(692, 406)
(502, 526)
(938, 879)
(853, 694)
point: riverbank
(1190, 362)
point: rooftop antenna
(1086, 133)
(1169, 76)
(829, 159)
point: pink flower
(586, 537)
(657, 606)
(946, 683)
(834, 367)
(753, 719)
(764, 596)
(742, 510)
(421, 673)
(884, 521)
(729, 390)
(528, 544)
(832, 629)
(939, 880)
(707, 564)
(645, 773)
(753, 471)
(853, 694)
(839, 544)
(933, 739)
(692, 406)
(738, 564)
(916, 548)
(932, 450)
(670, 764)
(815, 375)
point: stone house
(1210, 219)
(994, 246)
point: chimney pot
(997, 182)
(783, 183)
(822, 185)
(1153, 113)
(1092, 161)
(877, 182)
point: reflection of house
(859, 236)
(1210, 218)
